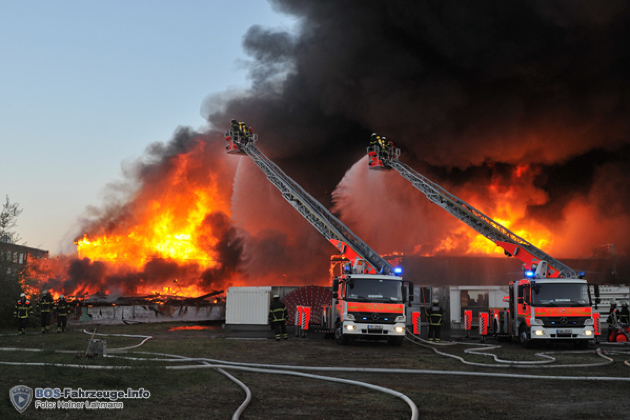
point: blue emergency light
(529, 274)
(397, 270)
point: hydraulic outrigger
(369, 297)
(553, 302)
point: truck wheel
(394, 341)
(524, 337)
(340, 337)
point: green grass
(207, 394)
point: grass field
(446, 388)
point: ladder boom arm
(513, 244)
(315, 213)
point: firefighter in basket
(241, 133)
(624, 314)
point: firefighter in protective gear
(22, 312)
(278, 316)
(62, 308)
(235, 127)
(383, 144)
(240, 131)
(612, 320)
(435, 315)
(45, 307)
(624, 313)
(374, 140)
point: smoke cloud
(470, 92)
(524, 103)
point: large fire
(166, 239)
(170, 225)
(507, 201)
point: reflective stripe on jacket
(45, 304)
(435, 314)
(22, 309)
(278, 312)
(62, 308)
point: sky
(86, 86)
(112, 111)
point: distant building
(17, 256)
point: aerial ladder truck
(369, 296)
(552, 302)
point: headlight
(399, 329)
(588, 332)
(539, 332)
(349, 327)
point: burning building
(518, 108)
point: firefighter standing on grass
(62, 308)
(22, 312)
(45, 306)
(435, 314)
(278, 316)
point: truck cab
(551, 310)
(368, 306)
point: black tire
(395, 341)
(524, 337)
(341, 338)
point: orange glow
(189, 328)
(507, 201)
(167, 222)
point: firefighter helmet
(276, 297)
(61, 297)
(233, 121)
(22, 295)
(44, 292)
(624, 303)
(436, 301)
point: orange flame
(508, 200)
(167, 221)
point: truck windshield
(560, 294)
(369, 290)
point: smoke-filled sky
(520, 108)
(519, 103)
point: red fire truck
(369, 296)
(552, 302)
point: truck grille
(564, 321)
(373, 318)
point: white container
(247, 305)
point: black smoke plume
(470, 91)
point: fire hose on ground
(221, 365)
(480, 349)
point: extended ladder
(325, 222)
(513, 244)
